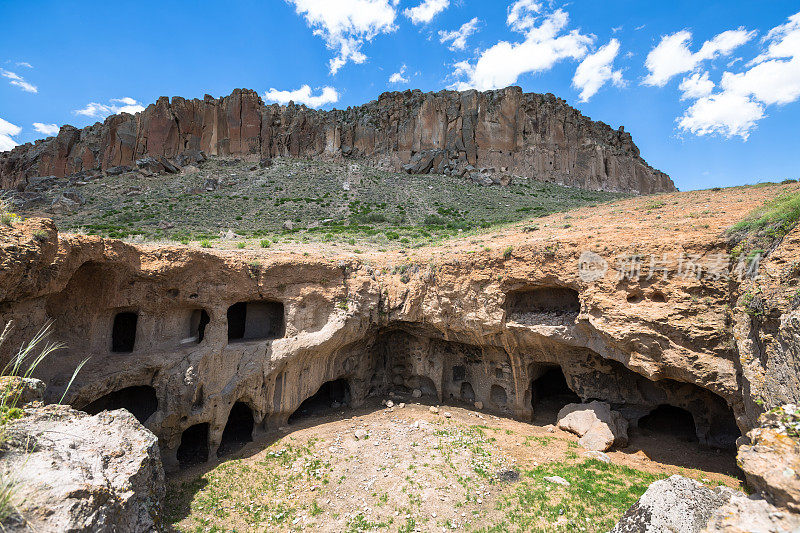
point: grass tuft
(766, 226)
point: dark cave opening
(331, 395)
(197, 324)
(467, 392)
(255, 320)
(498, 396)
(552, 386)
(123, 332)
(238, 430)
(425, 385)
(543, 300)
(669, 420)
(549, 393)
(140, 400)
(193, 449)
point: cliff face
(506, 131)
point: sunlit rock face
(489, 137)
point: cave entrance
(123, 332)
(467, 392)
(669, 420)
(141, 401)
(425, 385)
(331, 395)
(529, 305)
(498, 396)
(255, 320)
(549, 393)
(197, 325)
(238, 430)
(193, 449)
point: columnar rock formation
(504, 132)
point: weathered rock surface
(443, 325)
(771, 461)
(76, 472)
(502, 133)
(751, 514)
(676, 504)
(598, 426)
(22, 390)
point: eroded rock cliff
(502, 133)
(185, 337)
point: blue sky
(709, 90)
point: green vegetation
(307, 201)
(766, 225)
(597, 495)
(22, 365)
(7, 218)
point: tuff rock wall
(504, 133)
(390, 323)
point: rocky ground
(413, 467)
(229, 199)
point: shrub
(205, 243)
(265, 243)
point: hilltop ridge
(501, 133)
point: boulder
(21, 390)
(771, 462)
(117, 170)
(748, 514)
(150, 164)
(67, 202)
(76, 472)
(597, 425)
(676, 504)
(190, 157)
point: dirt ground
(407, 468)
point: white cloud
(24, 64)
(424, 12)
(458, 38)
(672, 55)
(772, 78)
(98, 110)
(522, 14)
(18, 81)
(25, 86)
(596, 69)
(544, 45)
(725, 113)
(696, 86)
(345, 25)
(8, 130)
(328, 95)
(46, 129)
(10, 75)
(399, 77)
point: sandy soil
(410, 467)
